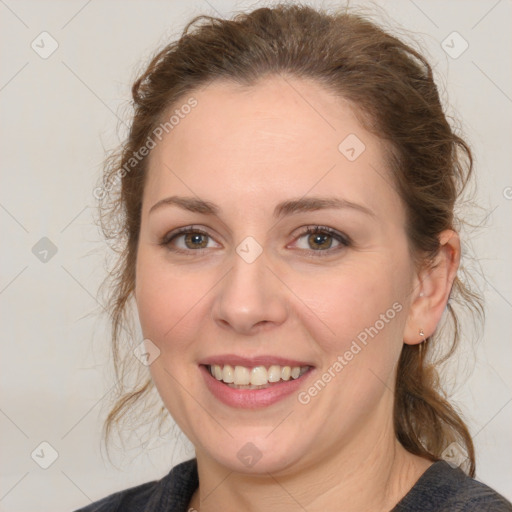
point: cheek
(354, 302)
(166, 302)
(359, 338)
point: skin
(247, 149)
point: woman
(287, 204)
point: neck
(374, 475)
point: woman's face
(245, 173)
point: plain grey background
(61, 111)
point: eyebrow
(285, 208)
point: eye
(187, 239)
(322, 239)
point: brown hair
(392, 87)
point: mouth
(257, 377)
(252, 383)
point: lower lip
(251, 398)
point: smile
(245, 383)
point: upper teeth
(257, 376)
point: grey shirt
(440, 489)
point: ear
(432, 290)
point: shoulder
(129, 499)
(172, 492)
(444, 488)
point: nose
(250, 298)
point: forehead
(280, 138)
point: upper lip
(251, 362)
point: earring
(422, 334)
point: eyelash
(344, 240)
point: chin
(258, 453)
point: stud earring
(422, 334)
